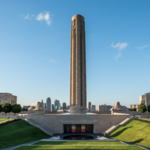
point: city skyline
(35, 50)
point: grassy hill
(79, 145)
(136, 132)
(18, 133)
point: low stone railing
(113, 128)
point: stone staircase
(38, 126)
(113, 128)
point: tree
(23, 109)
(16, 108)
(148, 108)
(6, 107)
(0, 108)
(142, 108)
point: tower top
(77, 16)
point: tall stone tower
(78, 66)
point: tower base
(77, 109)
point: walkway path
(145, 119)
(5, 121)
(25, 144)
(146, 148)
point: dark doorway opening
(78, 137)
(78, 128)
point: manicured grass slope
(135, 131)
(75, 145)
(18, 133)
(78, 143)
(78, 147)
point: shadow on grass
(119, 132)
(137, 141)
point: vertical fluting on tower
(78, 65)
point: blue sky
(35, 49)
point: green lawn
(78, 143)
(2, 119)
(75, 145)
(18, 133)
(135, 132)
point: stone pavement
(145, 119)
(6, 120)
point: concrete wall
(54, 123)
(8, 98)
(8, 114)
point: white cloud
(142, 47)
(44, 16)
(119, 45)
(26, 17)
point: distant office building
(56, 108)
(64, 105)
(52, 107)
(48, 104)
(44, 105)
(93, 108)
(68, 107)
(134, 106)
(89, 106)
(101, 108)
(8, 98)
(56, 104)
(109, 107)
(145, 99)
(60, 107)
(26, 107)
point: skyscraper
(44, 105)
(89, 106)
(52, 107)
(48, 104)
(93, 108)
(78, 66)
(64, 105)
(56, 104)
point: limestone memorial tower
(78, 66)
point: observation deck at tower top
(77, 16)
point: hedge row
(142, 120)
